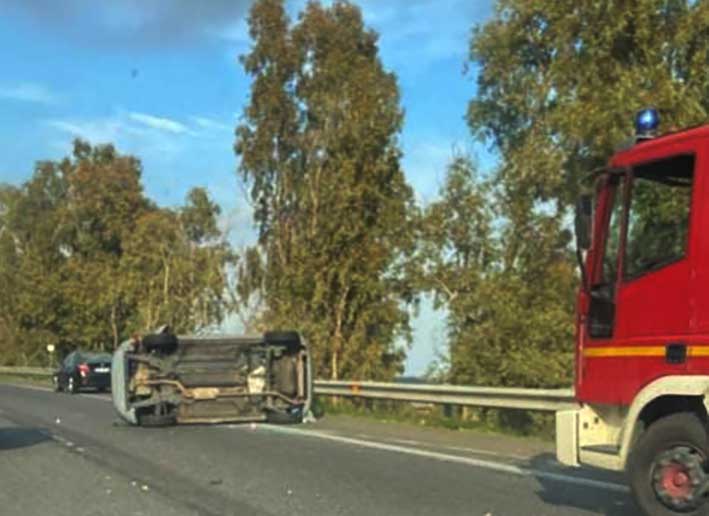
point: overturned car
(162, 379)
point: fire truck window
(610, 256)
(658, 219)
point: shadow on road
(21, 437)
(595, 500)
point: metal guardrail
(490, 397)
(26, 371)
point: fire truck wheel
(665, 468)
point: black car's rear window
(95, 358)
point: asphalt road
(68, 455)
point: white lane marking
(475, 451)
(405, 441)
(30, 387)
(480, 463)
(96, 397)
(421, 444)
(478, 451)
(101, 397)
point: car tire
(281, 417)
(682, 431)
(288, 339)
(156, 420)
(71, 386)
(164, 343)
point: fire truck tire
(683, 431)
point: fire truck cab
(642, 323)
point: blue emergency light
(646, 123)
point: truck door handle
(676, 353)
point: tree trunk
(166, 293)
(114, 327)
(337, 337)
(334, 365)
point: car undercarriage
(163, 379)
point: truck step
(607, 449)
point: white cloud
(29, 92)
(133, 24)
(136, 131)
(211, 124)
(160, 123)
(237, 32)
(424, 163)
(132, 132)
(101, 130)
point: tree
(319, 148)
(104, 197)
(509, 322)
(558, 86)
(86, 259)
(199, 217)
(559, 83)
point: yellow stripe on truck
(625, 351)
(640, 351)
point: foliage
(86, 258)
(558, 86)
(559, 83)
(319, 149)
(503, 421)
(510, 312)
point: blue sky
(161, 80)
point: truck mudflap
(567, 445)
(164, 379)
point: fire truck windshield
(658, 215)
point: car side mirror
(583, 221)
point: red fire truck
(642, 340)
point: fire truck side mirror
(583, 221)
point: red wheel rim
(675, 480)
(679, 478)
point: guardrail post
(448, 410)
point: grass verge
(519, 423)
(29, 380)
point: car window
(97, 357)
(69, 359)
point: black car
(83, 369)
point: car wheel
(282, 337)
(165, 343)
(282, 417)
(665, 468)
(156, 420)
(72, 388)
